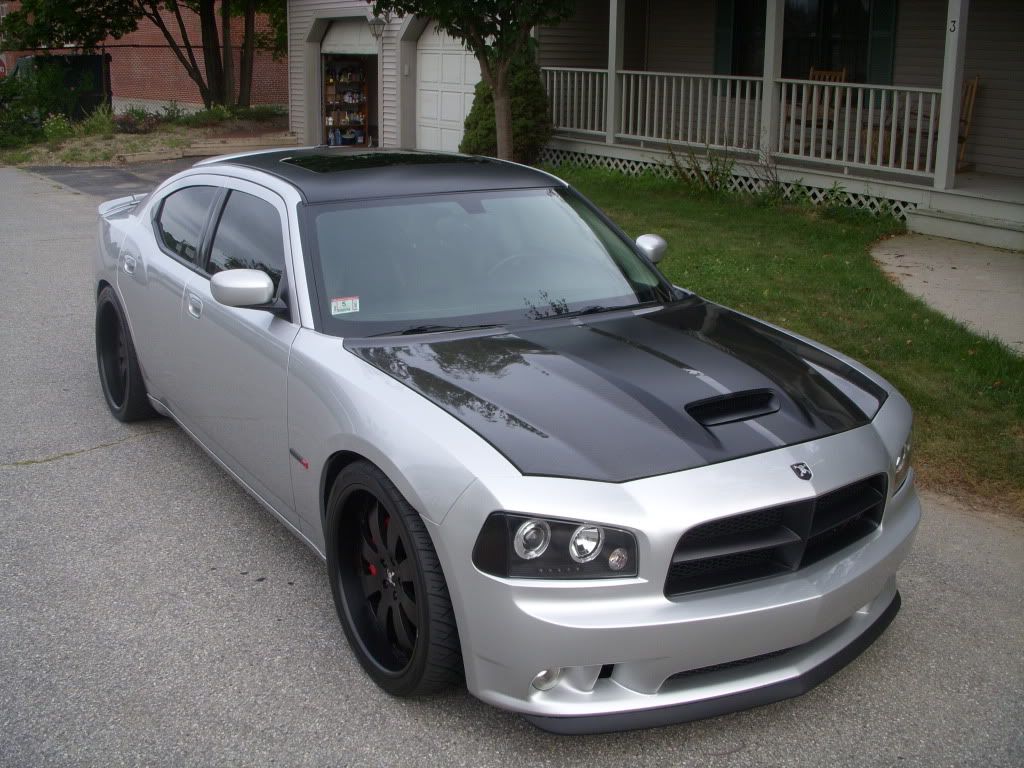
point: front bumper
(760, 682)
(630, 657)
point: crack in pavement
(80, 451)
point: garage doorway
(350, 100)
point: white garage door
(446, 74)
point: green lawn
(809, 270)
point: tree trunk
(211, 51)
(248, 52)
(229, 54)
(502, 113)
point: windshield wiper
(593, 309)
(432, 328)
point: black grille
(781, 539)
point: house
(145, 73)
(858, 96)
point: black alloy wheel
(120, 374)
(388, 587)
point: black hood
(624, 396)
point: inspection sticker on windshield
(344, 305)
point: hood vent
(738, 406)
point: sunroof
(345, 161)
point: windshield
(438, 262)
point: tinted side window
(182, 218)
(248, 237)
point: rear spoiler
(119, 205)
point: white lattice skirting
(740, 181)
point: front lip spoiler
(698, 710)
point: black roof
(324, 174)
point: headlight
(522, 547)
(901, 466)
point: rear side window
(248, 236)
(182, 218)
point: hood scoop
(736, 406)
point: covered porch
(866, 92)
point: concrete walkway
(981, 287)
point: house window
(827, 34)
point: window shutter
(724, 13)
(882, 41)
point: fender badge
(801, 470)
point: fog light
(585, 543)
(532, 539)
(618, 559)
(546, 679)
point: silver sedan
(527, 458)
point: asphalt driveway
(151, 613)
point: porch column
(952, 86)
(616, 46)
(772, 71)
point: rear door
(235, 364)
(158, 259)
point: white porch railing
(847, 125)
(577, 98)
(705, 110)
(851, 124)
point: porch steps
(992, 230)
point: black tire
(120, 375)
(388, 587)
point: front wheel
(388, 586)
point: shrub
(172, 112)
(136, 120)
(531, 123)
(19, 117)
(259, 113)
(99, 123)
(207, 117)
(57, 128)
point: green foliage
(275, 38)
(531, 123)
(19, 113)
(57, 128)
(49, 23)
(99, 123)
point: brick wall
(143, 66)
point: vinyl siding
(581, 41)
(995, 53)
(681, 42)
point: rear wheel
(388, 587)
(120, 375)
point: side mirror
(242, 288)
(653, 246)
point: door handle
(130, 262)
(195, 306)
